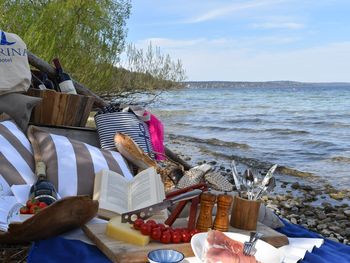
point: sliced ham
(222, 249)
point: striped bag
(71, 165)
(16, 155)
(108, 124)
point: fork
(247, 244)
(249, 247)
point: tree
(154, 65)
(88, 36)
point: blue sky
(248, 40)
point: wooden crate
(61, 109)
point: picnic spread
(115, 192)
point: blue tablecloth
(57, 250)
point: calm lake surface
(307, 129)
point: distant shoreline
(262, 84)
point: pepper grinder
(221, 221)
(205, 218)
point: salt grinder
(221, 221)
(205, 219)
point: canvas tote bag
(124, 122)
(15, 73)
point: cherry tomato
(32, 202)
(152, 223)
(138, 223)
(24, 210)
(161, 226)
(166, 237)
(170, 229)
(193, 232)
(42, 205)
(34, 209)
(185, 236)
(156, 234)
(146, 229)
(176, 237)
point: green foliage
(88, 36)
(150, 70)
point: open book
(117, 195)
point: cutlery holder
(244, 214)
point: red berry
(24, 210)
(32, 202)
(34, 209)
(42, 205)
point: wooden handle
(221, 221)
(193, 213)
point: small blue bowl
(165, 256)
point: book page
(114, 192)
(143, 189)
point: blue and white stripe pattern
(108, 124)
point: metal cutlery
(235, 177)
(149, 211)
(249, 247)
(267, 188)
(268, 175)
(247, 184)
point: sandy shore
(308, 201)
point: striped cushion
(16, 156)
(108, 124)
(72, 165)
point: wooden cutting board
(118, 251)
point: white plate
(265, 252)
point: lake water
(307, 129)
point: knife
(235, 176)
(149, 211)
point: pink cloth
(156, 130)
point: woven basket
(61, 109)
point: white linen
(297, 248)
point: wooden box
(61, 109)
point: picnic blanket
(58, 249)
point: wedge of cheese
(124, 232)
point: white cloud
(205, 60)
(229, 9)
(170, 43)
(325, 64)
(215, 44)
(278, 25)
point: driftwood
(173, 156)
(43, 66)
(62, 216)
